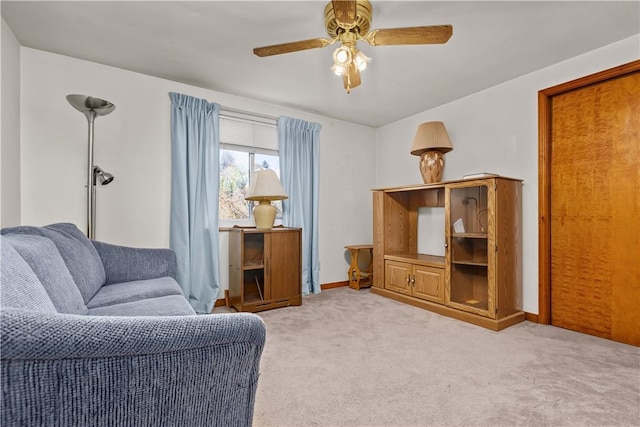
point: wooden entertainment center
(479, 279)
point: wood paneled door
(590, 204)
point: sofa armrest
(88, 370)
(125, 264)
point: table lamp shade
(265, 186)
(431, 136)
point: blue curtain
(299, 147)
(195, 142)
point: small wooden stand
(359, 279)
(264, 268)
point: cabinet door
(470, 238)
(428, 283)
(397, 277)
(283, 264)
(235, 269)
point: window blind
(243, 130)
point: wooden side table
(359, 279)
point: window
(247, 144)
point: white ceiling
(209, 44)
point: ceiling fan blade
(345, 13)
(435, 34)
(352, 78)
(278, 49)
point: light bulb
(339, 70)
(342, 56)
(361, 60)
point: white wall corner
(10, 180)
(496, 130)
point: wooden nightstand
(264, 268)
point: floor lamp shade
(430, 143)
(265, 188)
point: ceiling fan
(348, 21)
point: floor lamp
(92, 107)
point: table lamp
(264, 188)
(430, 143)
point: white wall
(10, 124)
(496, 130)
(134, 144)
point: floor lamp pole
(92, 107)
(91, 182)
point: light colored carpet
(349, 358)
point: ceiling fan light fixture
(339, 70)
(348, 22)
(342, 56)
(361, 60)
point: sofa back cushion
(20, 285)
(76, 250)
(44, 259)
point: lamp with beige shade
(265, 188)
(430, 143)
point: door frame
(544, 175)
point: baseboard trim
(485, 322)
(223, 301)
(531, 317)
(334, 285)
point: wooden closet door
(595, 209)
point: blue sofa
(95, 334)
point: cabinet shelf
(474, 263)
(470, 235)
(416, 258)
(252, 296)
(252, 266)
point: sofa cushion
(170, 305)
(126, 264)
(20, 285)
(44, 259)
(119, 293)
(76, 250)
